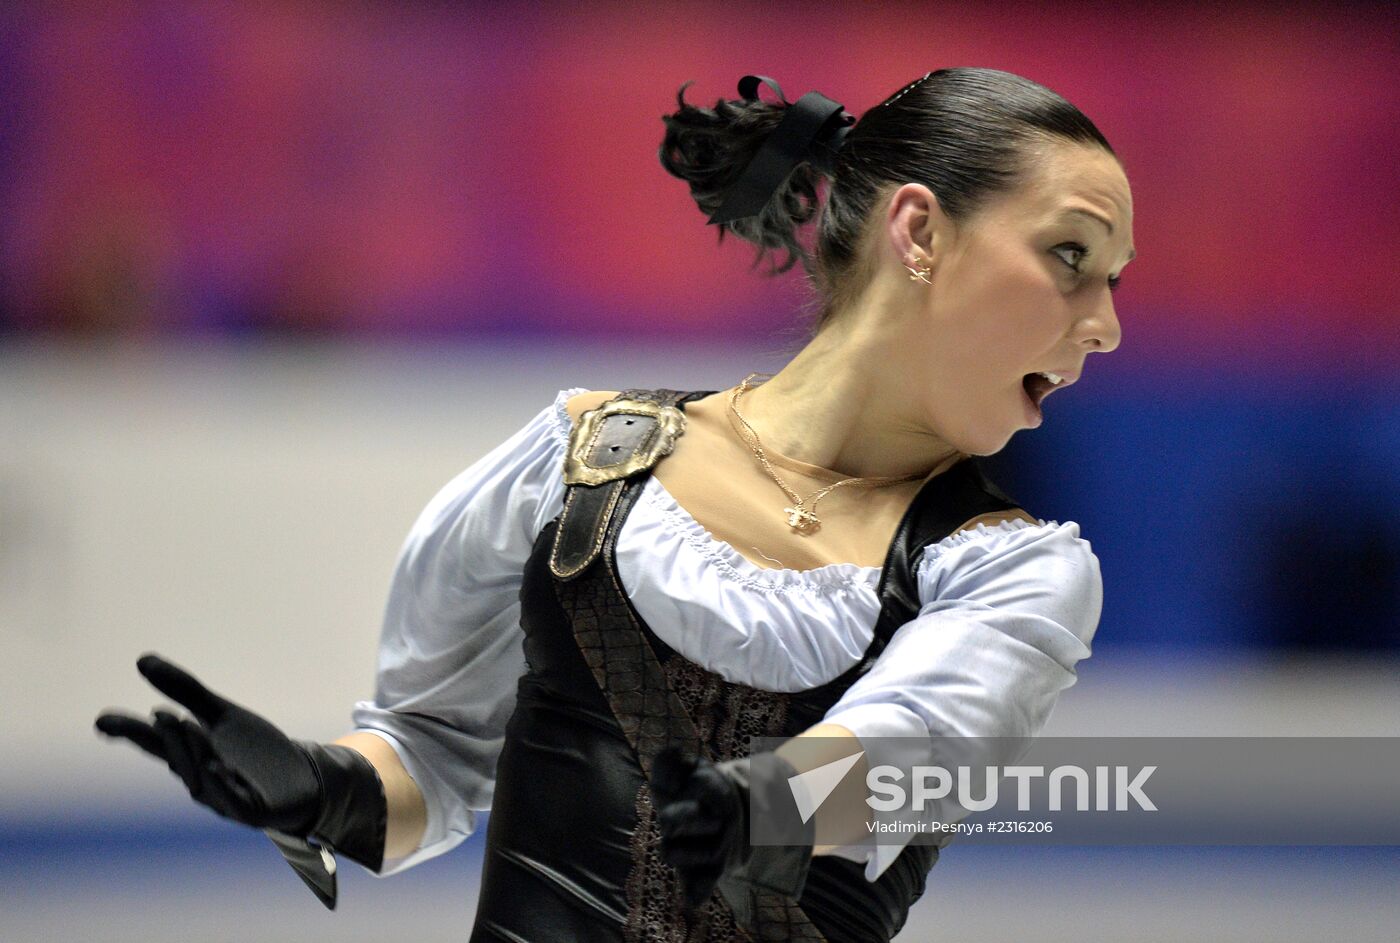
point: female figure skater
(587, 625)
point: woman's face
(1022, 286)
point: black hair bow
(813, 129)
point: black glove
(245, 769)
(703, 810)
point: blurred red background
(484, 168)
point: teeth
(1054, 378)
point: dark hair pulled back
(965, 133)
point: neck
(837, 405)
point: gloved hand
(704, 809)
(246, 769)
(232, 760)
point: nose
(1099, 330)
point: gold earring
(921, 273)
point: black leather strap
(617, 653)
(588, 508)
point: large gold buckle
(670, 423)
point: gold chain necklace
(801, 516)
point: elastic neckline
(741, 568)
(826, 578)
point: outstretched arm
(310, 798)
(407, 813)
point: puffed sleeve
(1008, 611)
(450, 652)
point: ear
(915, 224)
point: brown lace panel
(655, 913)
(726, 715)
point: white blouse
(1007, 612)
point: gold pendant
(802, 520)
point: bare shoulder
(583, 402)
(996, 517)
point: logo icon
(810, 789)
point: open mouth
(1036, 387)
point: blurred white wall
(237, 510)
(240, 509)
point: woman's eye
(1072, 254)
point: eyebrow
(1132, 253)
